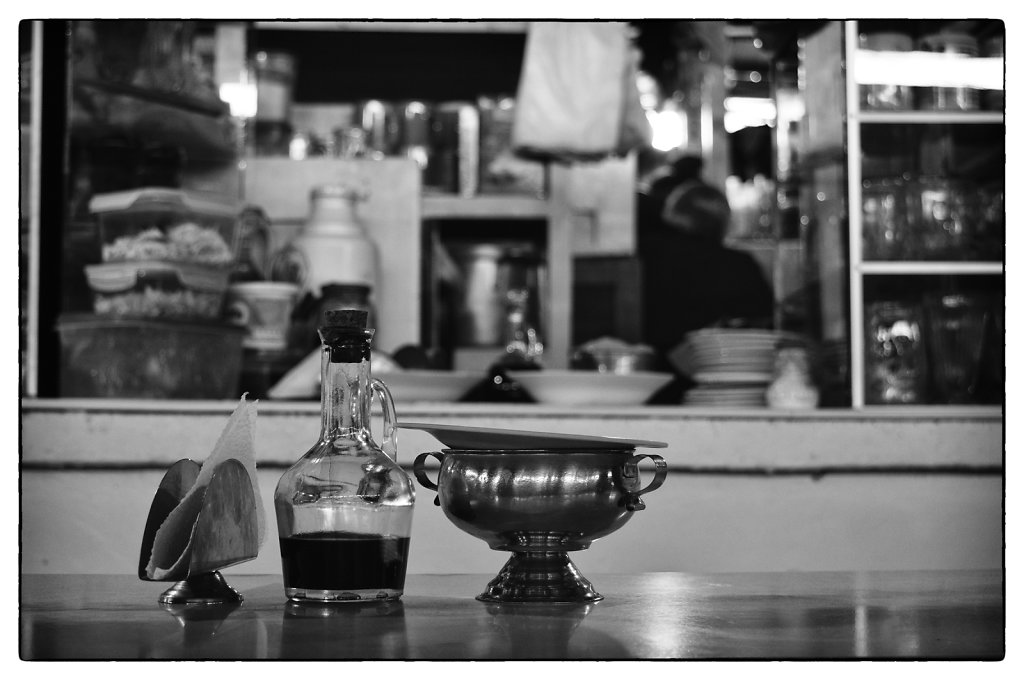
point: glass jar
(381, 125)
(948, 98)
(479, 309)
(886, 218)
(253, 261)
(454, 146)
(350, 142)
(989, 234)
(886, 96)
(956, 338)
(521, 275)
(415, 133)
(895, 363)
(344, 510)
(993, 48)
(275, 78)
(943, 208)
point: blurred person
(690, 279)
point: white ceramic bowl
(590, 387)
(425, 385)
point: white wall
(92, 522)
(747, 491)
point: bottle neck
(521, 338)
(334, 214)
(344, 390)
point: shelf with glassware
(926, 224)
(933, 339)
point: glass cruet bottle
(344, 510)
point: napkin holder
(224, 531)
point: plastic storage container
(103, 357)
(167, 225)
(155, 289)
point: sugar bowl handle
(421, 473)
(631, 475)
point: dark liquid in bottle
(344, 561)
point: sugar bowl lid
(462, 437)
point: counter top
(786, 615)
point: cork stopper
(345, 318)
(344, 331)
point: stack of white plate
(735, 396)
(731, 366)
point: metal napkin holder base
(225, 532)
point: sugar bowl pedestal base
(539, 576)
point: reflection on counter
(204, 632)
(312, 630)
(545, 631)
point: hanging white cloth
(578, 98)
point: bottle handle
(387, 405)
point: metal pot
(618, 360)
(539, 504)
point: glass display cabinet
(902, 208)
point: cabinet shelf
(930, 268)
(200, 128)
(484, 207)
(176, 100)
(931, 117)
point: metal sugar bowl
(538, 496)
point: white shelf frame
(931, 268)
(930, 117)
(443, 206)
(31, 369)
(855, 218)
